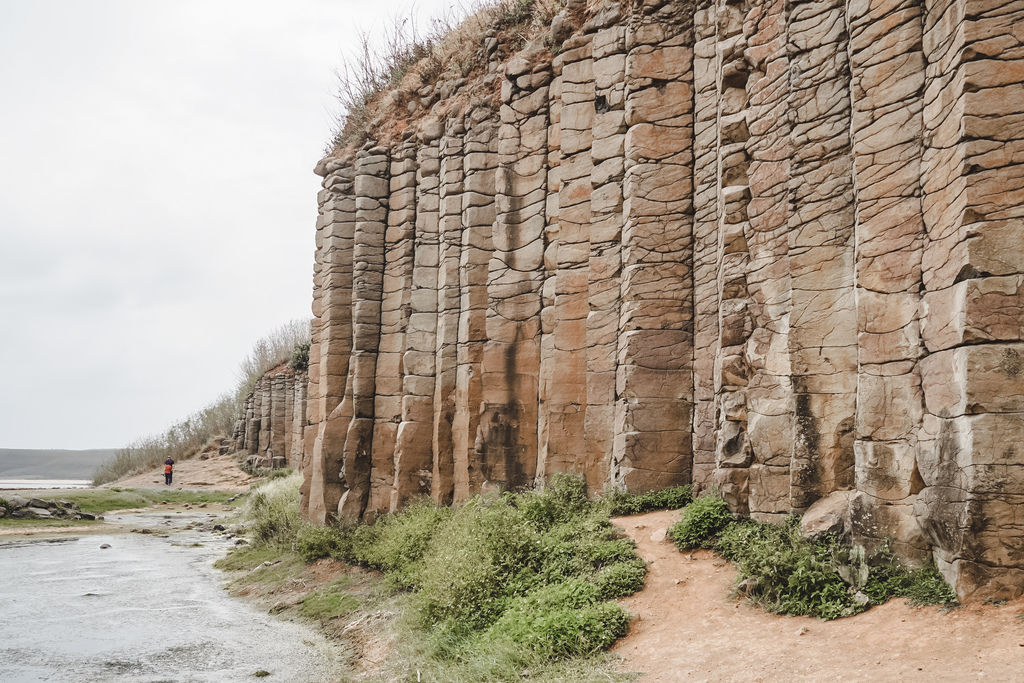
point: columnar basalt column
(506, 440)
(887, 67)
(480, 162)
(654, 384)
(331, 346)
(970, 457)
(823, 328)
(371, 189)
(414, 447)
(394, 321)
(566, 403)
(604, 265)
(705, 232)
(448, 295)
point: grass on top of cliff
(504, 587)
(785, 573)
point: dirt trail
(688, 628)
(220, 472)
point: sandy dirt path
(220, 472)
(689, 628)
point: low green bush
(702, 521)
(785, 573)
(273, 508)
(331, 601)
(622, 502)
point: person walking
(168, 471)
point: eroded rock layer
(773, 248)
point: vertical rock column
(705, 248)
(605, 258)
(296, 455)
(331, 342)
(769, 404)
(278, 399)
(506, 443)
(733, 449)
(371, 191)
(446, 349)
(823, 336)
(654, 382)
(394, 320)
(566, 403)
(887, 79)
(971, 458)
(414, 442)
(480, 162)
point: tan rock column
(733, 449)
(446, 350)
(478, 211)
(414, 441)
(289, 417)
(296, 457)
(769, 403)
(605, 241)
(394, 320)
(276, 440)
(265, 388)
(705, 248)
(331, 342)
(506, 442)
(971, 459)
(654, 382)
(823, 321)
(548, 313)
(566, 403)
(887, 68)
(351, 494)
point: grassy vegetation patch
(625, 503)
(785, 573)
(331, 601)
(502, 585)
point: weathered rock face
(273, 420)
(772, 248)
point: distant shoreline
(26, 483)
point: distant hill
(48, 463)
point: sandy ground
(689, 628)
(219, 472)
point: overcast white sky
(157, 200)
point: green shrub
(398, 542)
(300, 357)
(791, 575)
(702, 521)
(561, 620)
(621, 579)
(273, 509)
(316, 542)
(622, 502)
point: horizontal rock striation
(273, 421)
(772, 248)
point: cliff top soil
(689, 628)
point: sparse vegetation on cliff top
(785, 573)
(383, 76)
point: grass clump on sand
(785, 573)
(625, 503)
(502, 585)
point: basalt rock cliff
(774, 248)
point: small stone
(659, 536)
(802, 630)
(104, 546)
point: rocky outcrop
(273, 420)
(19, 507)
(771, 248)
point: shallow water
(148, 608)
(19, 484)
